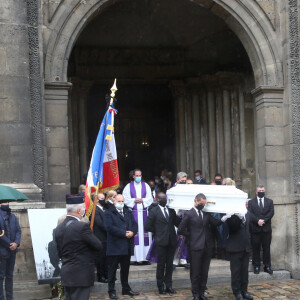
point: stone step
(149, 284)
(141, 271)
(142, 278)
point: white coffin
(220, 198)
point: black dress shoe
(103, 280)
(202, 297)
(246, 295)
(130, 293)
(196, 298)
(239, 297)
(112, 295)
(187, 266)
(161, 291)
(170, 290)
(256, 270)
(268, 270)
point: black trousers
(261, 240)
(164, 269)
(101, 263)
(77, 293)
(239, 262)
(200, 261)
(113, 262)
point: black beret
(75, 199)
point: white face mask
(119, 205)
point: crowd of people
(136, 226)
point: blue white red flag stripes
(103, 174)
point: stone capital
(266, 96)
(57, 90)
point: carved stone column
(194, 87)
(227, 133)
(57, 142)
(272, 164)
(270, 140)
(78, 131)
(212, 133)
(178, 91)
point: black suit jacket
(99, 228)
(266, 214)
(239, 236)
(76, 247)
(198, 233)
(162, 229)
(116, 226)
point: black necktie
(166, 214)
(260, 204)
(200, 216)
(121, 213)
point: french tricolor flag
(103, 174)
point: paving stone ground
(271, 290)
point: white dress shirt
(197, 211)
(262, 200)
(163, 210)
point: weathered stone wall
(15, 112)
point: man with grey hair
(76, 245)
(262, 209)
(181, 178)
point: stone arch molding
(246, 18)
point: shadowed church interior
(184, 82)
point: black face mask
(102, 203)
(260, 194)
(162, 202)
(6, 208)
(152, 188)
(218, 182)
(182, 182)
(200, 206)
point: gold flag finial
(113, 91)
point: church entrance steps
(142, 278)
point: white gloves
(227, 216)
(241, 216)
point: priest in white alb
(138, 197)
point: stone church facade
(230, 69)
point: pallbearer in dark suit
(196, 226)
(161, 221)
(121, 228)
(76, 245)
(238, 247)
(262, 210)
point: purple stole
(135, 212)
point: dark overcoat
(15, 234)
(99, 228)
(116, 226)
(163, 230)
(76, 247)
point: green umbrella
(9, 194)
